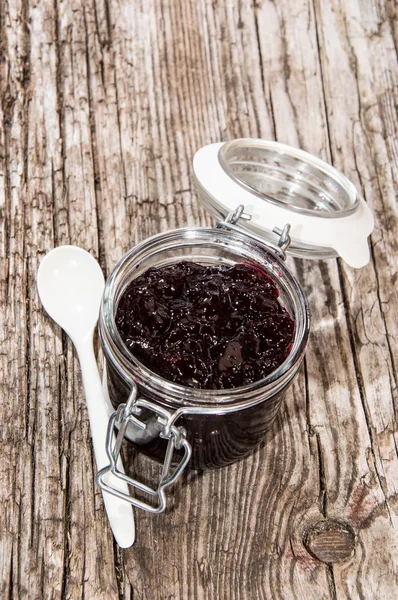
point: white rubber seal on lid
(279, 184)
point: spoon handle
(119, 512)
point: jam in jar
(213, 327)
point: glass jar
(222, 425)
(278, 192)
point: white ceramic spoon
(70, 284)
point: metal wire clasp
(284, 238)
(233, 217)
(176, 436)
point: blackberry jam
(212, 327)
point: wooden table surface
(103, 105)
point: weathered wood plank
(102, 108)
(89, 546)
(17, 469)
(50, 439)
(360, 145)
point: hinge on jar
(128, 413)
(233, 217)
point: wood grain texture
(102, 106)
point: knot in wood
(330, 541)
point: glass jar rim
(344, 188)
(131, 369)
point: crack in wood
(324, 95)
(93, 140)
(332, 582)
(119, 571)
(322, 479)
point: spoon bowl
(71, 284)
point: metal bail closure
(127, 413)
(232, 219)
(284, 238)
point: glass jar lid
(279, 185)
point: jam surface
(211, 327)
